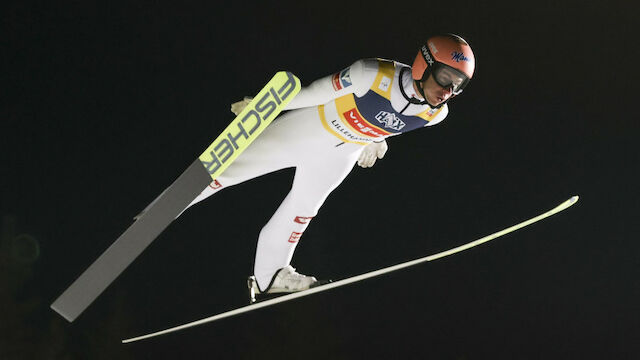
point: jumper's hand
(371, 152)
(237, 107)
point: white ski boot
(286, 280)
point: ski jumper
(331, 121)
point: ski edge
(563, 206)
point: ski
(566, 204)
(236, 137)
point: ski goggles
(449, 78)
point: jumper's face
(435, 93)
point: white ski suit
(331, 122)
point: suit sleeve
(323, 90)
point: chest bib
(371, 117)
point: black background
(104, 105)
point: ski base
(236, 137)
(132, 242)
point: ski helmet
(449, 58)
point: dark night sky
(103, 106)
